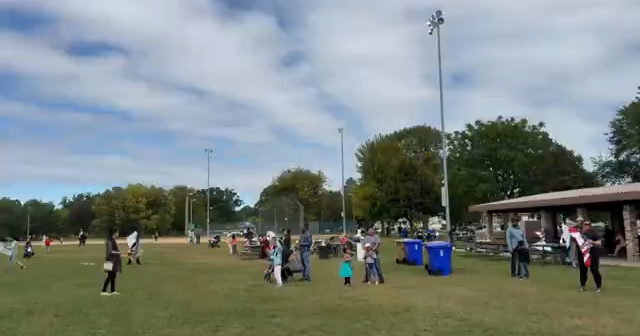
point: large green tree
(76, 213)
(12, 218)
(293, 187)
(148, 208)
(400, 175)
(507, 158)
(622, 165)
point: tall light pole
(186, 212)
(344, 206)
(209, 152)
(28, 221)
(436, 20)
(191, 210)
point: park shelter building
(621, 202)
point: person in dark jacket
(286, 246)
(113, 256)
(524, 258)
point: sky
(108, 92)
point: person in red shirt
(47, 244)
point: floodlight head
(436, 19)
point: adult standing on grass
(113, 263)
(306, 242)
(593, 245)
(374, 242)
(82, 239)
(514, 236)
(276, 257)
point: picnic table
(337, 248)
(251, 250)
(490, 247)
(547, 252)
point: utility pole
(344, 205)
(436, 20)
(186, 212)
(209, 152)
(191, 211)
(275, 219)
(28, 221)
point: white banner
(6, 248)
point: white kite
(10, 249)
(135, 247)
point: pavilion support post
(546, 219)
(616, 218)
(629, 214)
(489, 224)
(582, 212)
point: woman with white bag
(112, 263)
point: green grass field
(182, 290)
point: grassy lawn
(182, 290)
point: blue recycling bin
(440, 262)
(413, 248)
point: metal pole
(186, 213)
(28, 221)
(353, 211)
(275, 219)
(344, 206)
(191, 211)
(445, 171)
(209, 152)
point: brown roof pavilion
(616, 193)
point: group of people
(584, 246)
(279, 254)
(370, 243)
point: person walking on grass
(275, 255)
(306, 243)
(514, 236)
(589, 259)
(47, 244)
(82, 239)
(112, 264)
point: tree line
(400, 176)
(149, 208)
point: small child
(234, 245)
(28, 250)
(346, 270)
(371, 266)
(523, 259)
(47, 245)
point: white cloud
(207, 78)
